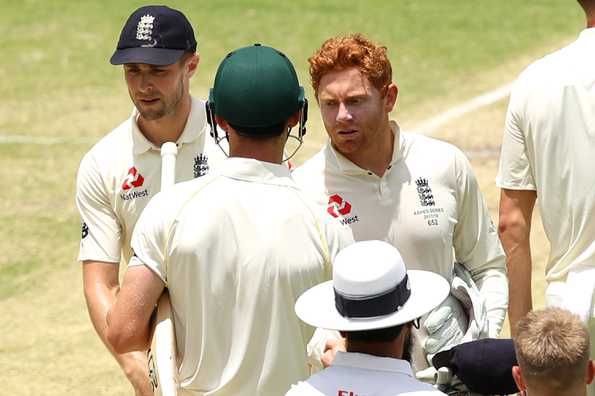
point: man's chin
(151, 115)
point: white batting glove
(445, 325)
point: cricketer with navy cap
(235, 248)
(121, 173)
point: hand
(445, 325)
(135, 366)
(331, 348)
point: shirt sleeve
(515, 172)
(477, 246)
(101, 237)
(150, 238)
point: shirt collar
(346, 166)
(371, 362)
(195, 126)
(588, 34)
(251, 170)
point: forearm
(519, 273)
(516, 210)
(101, 287)
(129, 321)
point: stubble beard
(167, 106)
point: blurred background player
(121, 173)
(236, 248)
(417, 193)
(548, 153)
(552, 348)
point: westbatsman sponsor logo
(133, 179)
(134, 194)
(337, 206)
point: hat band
(383, 304)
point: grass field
(57, 86)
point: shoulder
(419, 148)
(116, 144)
(118, 141)
(314, 167)
(545, 71)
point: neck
(591, 20)
(392, 349)
(576, 390)
(168, 128)
(377, 156)
(269, 150)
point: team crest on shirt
(426, 197)
(339, 207)
(133, 180)
(429, 210)
(201, 165)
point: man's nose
(145, 82)
(344, 114)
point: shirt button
(370, 173)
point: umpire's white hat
(371, 289)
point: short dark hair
(260, 132)
(387, 334)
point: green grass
(57, 82)
(55, 53)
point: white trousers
(577, 295)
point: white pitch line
(430, 125)
(37, 140)
(426, 127)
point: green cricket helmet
(256, 91)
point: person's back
(244, 246)
(552, 348)
(236, 248)
(553, 111)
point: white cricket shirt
(549, 147)
(236, 249)
(427, 204)
(358, 374)
(121, 173)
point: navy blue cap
(156, 35)
(484, 366)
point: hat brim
(147, 55)
(316, 306)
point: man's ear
(518, 379)
(294, 119)
(392, 92)
(192, 64)
(222, 124)
(590, 371)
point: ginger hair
(343, 52)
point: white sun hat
(371, 289)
